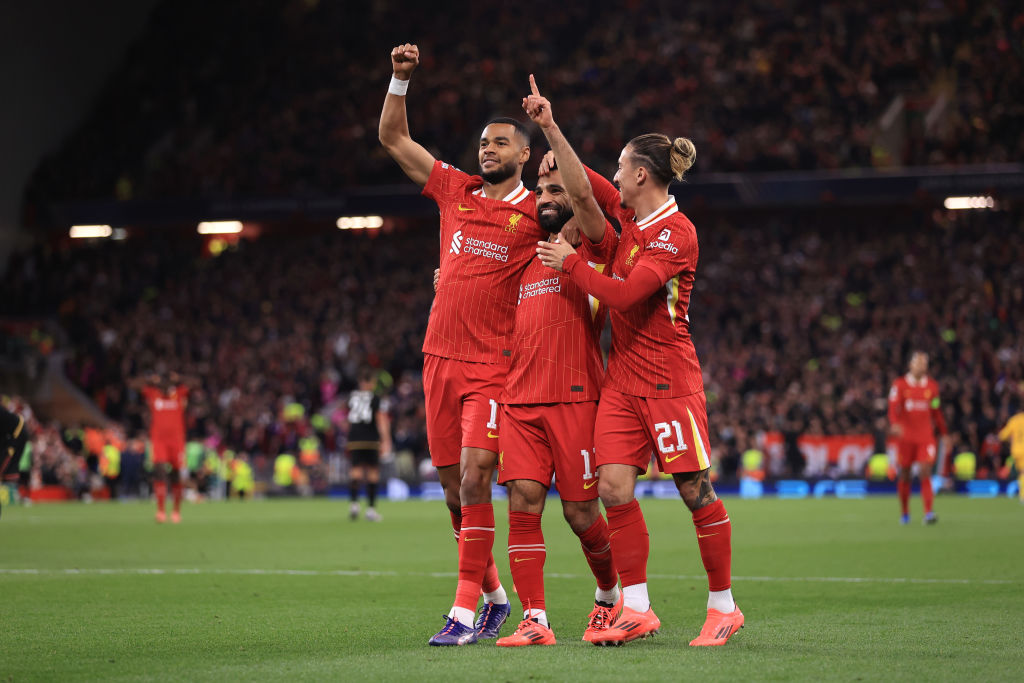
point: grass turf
(831, 589)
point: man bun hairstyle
(520, 127)
(664, 158)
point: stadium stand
(797, 334)
(271, 98)
(801, 317)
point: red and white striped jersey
(556, 354)
(652, 354)
(486, 245)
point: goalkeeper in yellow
(1014, 433)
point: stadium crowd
(280, 98)
(801, 319)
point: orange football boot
(629, 626)
(718, 627)
(600, 620)
(176, 517)
(529, 632)
(161, 516)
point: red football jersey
(652, 354)
(556, 354)
(914, 404)
(486, 245)
(167, 412)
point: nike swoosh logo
(706, 535)
(524, 559)
(466, 208)
(491, 436)
(589, 485)
(674, 457)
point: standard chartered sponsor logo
(457, 242)
(549, 286)
(491, 250)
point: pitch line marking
(449, 575)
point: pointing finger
(533, 86)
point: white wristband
(398, 86)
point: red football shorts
(909, 452)
(546, 439)
(629, 428)
(462, 406)
(172, 452)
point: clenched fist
(404, 60)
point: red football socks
(903, 488)
(160, 489)
(176, 495)
(526, 555)
(714, 537)
(598, 551)
(491, 581)
(927, 495)
(630, 541)
(475, 542)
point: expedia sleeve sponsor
(667, 246)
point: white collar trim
(514, 197)
(664, 211)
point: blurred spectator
(282, 98)
(800, 319)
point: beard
(553, 224)
(499, 174)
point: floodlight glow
(359, 222)
(220, 227)
(78, 232)
(958, 203)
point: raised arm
(606, 194)
(620, 295)
(393, 131)
(585, 208)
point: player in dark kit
(653, 393)
(488, 229)
(13, 435)
(369, 437)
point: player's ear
(641, 175)
(524, 154)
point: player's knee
(526, 496)
(613, 493)
(475, 487)
(580, 515)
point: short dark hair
(520, 127)
(367, 375)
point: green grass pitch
(292, 590)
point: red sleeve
(605, 193)
(895, 404)
(672, 252)
(603, 251)
(444, 182)
(149, 393)
(621, 295)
